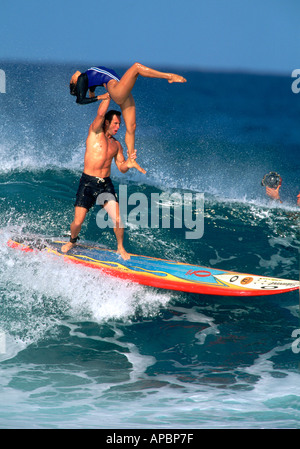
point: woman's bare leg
(129, 116)
(120, 90)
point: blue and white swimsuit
(92, 78)
(98, 76)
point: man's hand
(103, 97)
(131, 160)
(298, 200)
(132, 163)
(273, 193)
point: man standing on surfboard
(101, 149)
(119, 90)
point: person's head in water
(272, 180)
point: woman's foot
(138, 167)
(176, 78)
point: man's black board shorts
(92, 186)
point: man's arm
(122, 164)
(98, 122)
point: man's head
(112, 121)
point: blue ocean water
(81, 350)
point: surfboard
(160, 273)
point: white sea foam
(44, 288)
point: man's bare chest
(102, 147)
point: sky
(234, 35)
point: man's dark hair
(109, 115)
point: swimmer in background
(274, 194)
(273, 182)
(119, 90)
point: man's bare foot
(65, 248)
(124, 254)
(176, 78)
